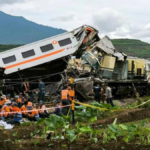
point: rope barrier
(34, 110)
(91, 106)
(141, 104)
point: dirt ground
(125, 116)
(10, 142)
(7, 140)
(65, 145)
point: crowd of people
(13, 109)
(21, 106)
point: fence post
(73, 120)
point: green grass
(132, 47)
(7, 47)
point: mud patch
(125, 116)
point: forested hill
(18, 30)
(132, 47)
(128, 46)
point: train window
(28, 53)
(65, 42)
(139, 71)
(9, 59)
(46, 48)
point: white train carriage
(45, 50)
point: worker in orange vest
(65, 100)
(17, 115)
(24, 108)
(2, 101)
(20, 100)
(43, 112)
(33, 115)
(6, 110)
(71, 94)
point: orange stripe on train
(34, 59)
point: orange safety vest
(64, 94)
(34, 113)
(5, 108)
(71, 95)
(23, 108)
(19, 100)
(26, 85)
(10, 107)
(2, 102)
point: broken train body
(80, 54)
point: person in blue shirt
(97, 90)
(41, 91)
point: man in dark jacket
(97, 90)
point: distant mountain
(132, 47)
(18, 30)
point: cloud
(9, 1)
(63, 18)
(117, 19)
(108, 20)
(147, 26)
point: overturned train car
(46, 59)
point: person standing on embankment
(97, 90)
(108, 93)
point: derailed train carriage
(125, 75)
(95, 60)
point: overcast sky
(115, 18)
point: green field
(130, 47)
(7, 47)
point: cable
(47, 76)
(38, 76)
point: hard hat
(29, 106)
(8, 95)
(41, 102)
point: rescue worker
(41, 91)
(6, 109)
(108, 94)
(25, 87)
(71, 94)
(20, 100)
(24, 108)
(8, 97)
(33, 115)
(97, 90)
(65, 100)
(17, 115)
(2, 101)
(42, 113)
